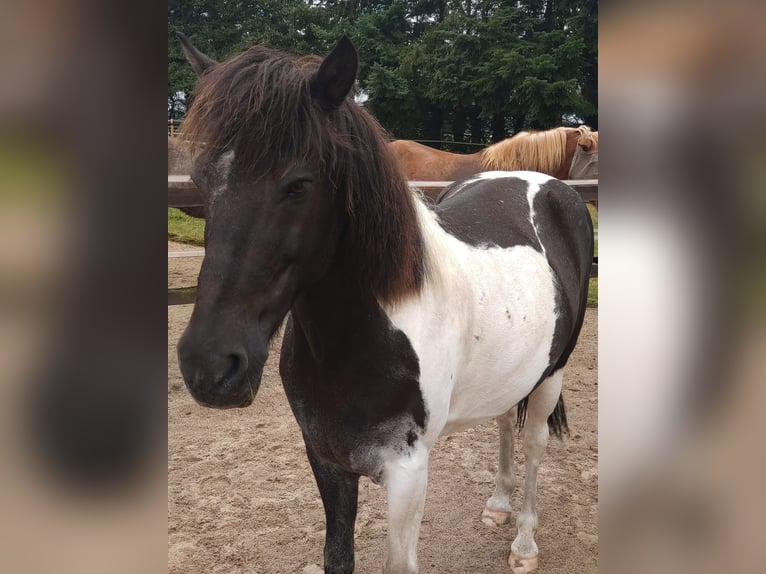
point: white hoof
(522, 564)
(495, 517)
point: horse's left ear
(199, 61)
(336, 75)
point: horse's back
(424, 163)
(505, 209)
(508, 209)
(414, 158)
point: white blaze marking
(223, 170)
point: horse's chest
(355, 406)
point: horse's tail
(557, 420)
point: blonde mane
(536, 151)
(592, 136)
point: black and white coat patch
(493, 318)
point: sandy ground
(242, 499)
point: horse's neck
(332, 312)
(467, 164)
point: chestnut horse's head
(585, 156)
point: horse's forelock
(587, 136)
(258, 104)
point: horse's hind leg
(541, 403)
(498, 507)
(339, 491)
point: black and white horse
(405, 322)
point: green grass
(593, 292)
(593, 214)
(185, 229)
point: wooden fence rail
(183, 193)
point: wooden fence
(183, 193)
(173, 127)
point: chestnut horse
(564, 153)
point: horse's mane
(593, 136)
(531, 150)
(259, 104)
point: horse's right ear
(199, 61)
(336, 75)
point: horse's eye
(297, 188)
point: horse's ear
(336, 75)
(586, 143)
(199, 61)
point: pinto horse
(405, 321)
(564, 153)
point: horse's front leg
(405, 481)
(339, 491)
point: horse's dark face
(267, 237)
(265, 241)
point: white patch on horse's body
(532, 177)
(535, 180)
(482, 327)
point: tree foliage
(430, 69)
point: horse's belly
(501, 367)
(492, 384)
(490, 344)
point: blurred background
(82, 347)
(682, 94)
(682, 102)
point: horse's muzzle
(218, 378)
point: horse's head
(267, 128)
(585, 159)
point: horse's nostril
(237, 366)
